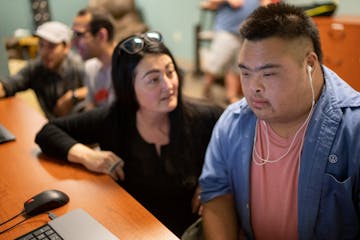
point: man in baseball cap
(54, 43)
(54, 32)
(56, 76)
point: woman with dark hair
(152, 140)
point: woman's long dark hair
(123, 68)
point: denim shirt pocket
(337, 218)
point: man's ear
(67, 47)
(102, 34)
(311, 60)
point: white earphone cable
(263, 161)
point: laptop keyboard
(44, 232)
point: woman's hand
(97, 160)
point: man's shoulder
(340, 93)
(92, 65)
(74, 57)
(73, 62)
(93, 62)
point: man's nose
(255, 83)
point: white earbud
(309, 68)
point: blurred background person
(56, 76)
(93, 38)
(220, 60)
(127, 17)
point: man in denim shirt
(283, 163)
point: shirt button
(333, 158)
(247, 206)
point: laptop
(74, 225)
(5, 135)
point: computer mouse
(45, 201)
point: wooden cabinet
(340, 40)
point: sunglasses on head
(135, 44)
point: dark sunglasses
(135, 44)
(77, 34)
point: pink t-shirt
(274, 186)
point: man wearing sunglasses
(56, 76)
(93, 37)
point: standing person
(152, 139)
(128, 19)
(222, 55)
(56, 76)
(94, 39)
(284, 162)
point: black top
(164, 185)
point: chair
(203, 34)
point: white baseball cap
(54, 32)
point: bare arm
(65, 103)
(81, 93)
(265, 2)
(214, 4)
(236, 3)
(89, 106)
(219, 219)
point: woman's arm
(58, 135)
(66, 138)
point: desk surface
(24, 172)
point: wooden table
(24, 172)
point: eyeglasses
(135, 44)
(77, 34)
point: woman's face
(156, 84)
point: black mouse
(45, 201)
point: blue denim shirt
(328, 190)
